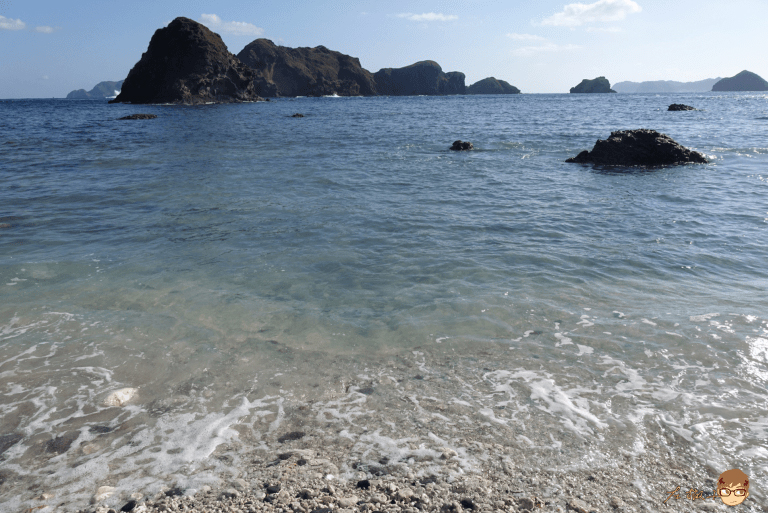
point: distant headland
(101, 90)
(666, 86)
(744, 81)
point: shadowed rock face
(283, 71)
(421, 78)
(744, 81)
(680, 106)
(638, 148)
(596, 85)
(491, 85)
(187, 63)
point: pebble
(120, 397)
(103, 493)
(578, 505)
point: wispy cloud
(236, 28)
(525, 37)
(11, 24)
(45, 29)
(574, 15)
(527, 51)
(428, 16)
(612, 30)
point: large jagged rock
(187, 63)
(101, 90)
(421, 78)
(744, 81)
(283, 71)
(638, 148)
(491, 85)
(596, 85)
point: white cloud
(428, 16)
(11, 24)
(236, 28)
(44, 29)
(574, 15)
(525, 37)
(527, 51)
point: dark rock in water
(187, 63)
(101, 90)
(293, 435)
(273, 488)
(596, 85)
(461, 146)
(128, 506)
(680, 106)
(468, 504)
(744, 81)
(7, 441)
(297, 115)
(421, 78)
(283, 71)
(100, 429)
(491, 85)
(61, 444)
(139, 116)
(638, 148)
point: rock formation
(187, 63)
(461, 146)
(491, 85)
(638, 148)
(680, 106)
(283, 71)
(596, 85)
(138, 116)
(666, 86)
(101, 90)
(421, 78)
(744, 81)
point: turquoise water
(233, 263)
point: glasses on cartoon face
(725, 492)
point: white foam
(704, 317)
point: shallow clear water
(241, 268)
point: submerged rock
(187, 63)
(638, 148)
(680, 106)
(461, 146)
(297, 115)
(596, 85)
(138, 116)
(120, 397)
(421, 78)
(744, 81)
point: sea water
(344, 275)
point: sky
(49, 48)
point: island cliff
(187, 63)
(283, 71)
(744, 81)
(491, 85)
(101, 90)
(596, 85)
(421, 78)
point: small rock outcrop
(638, 148)
(461, 146)
(421, 78)
(101, 90)
(596, 85)
(283, 71)
(744, 81)
(138, 116)
(492, 85)
(298, 115)
(680, 106)
(187, 63)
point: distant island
(187, 63)
(101, 90)
(666, 86)
(596, 85)
(744, 81)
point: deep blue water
(157, 250)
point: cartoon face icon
(733, 487)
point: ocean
(345, 282)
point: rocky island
(596, 85)
(283, 71)
(421, 78)
(105, 89)
(187, 63)
(744, 81)
(492, 85)
(638, 148)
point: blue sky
(49, 48)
